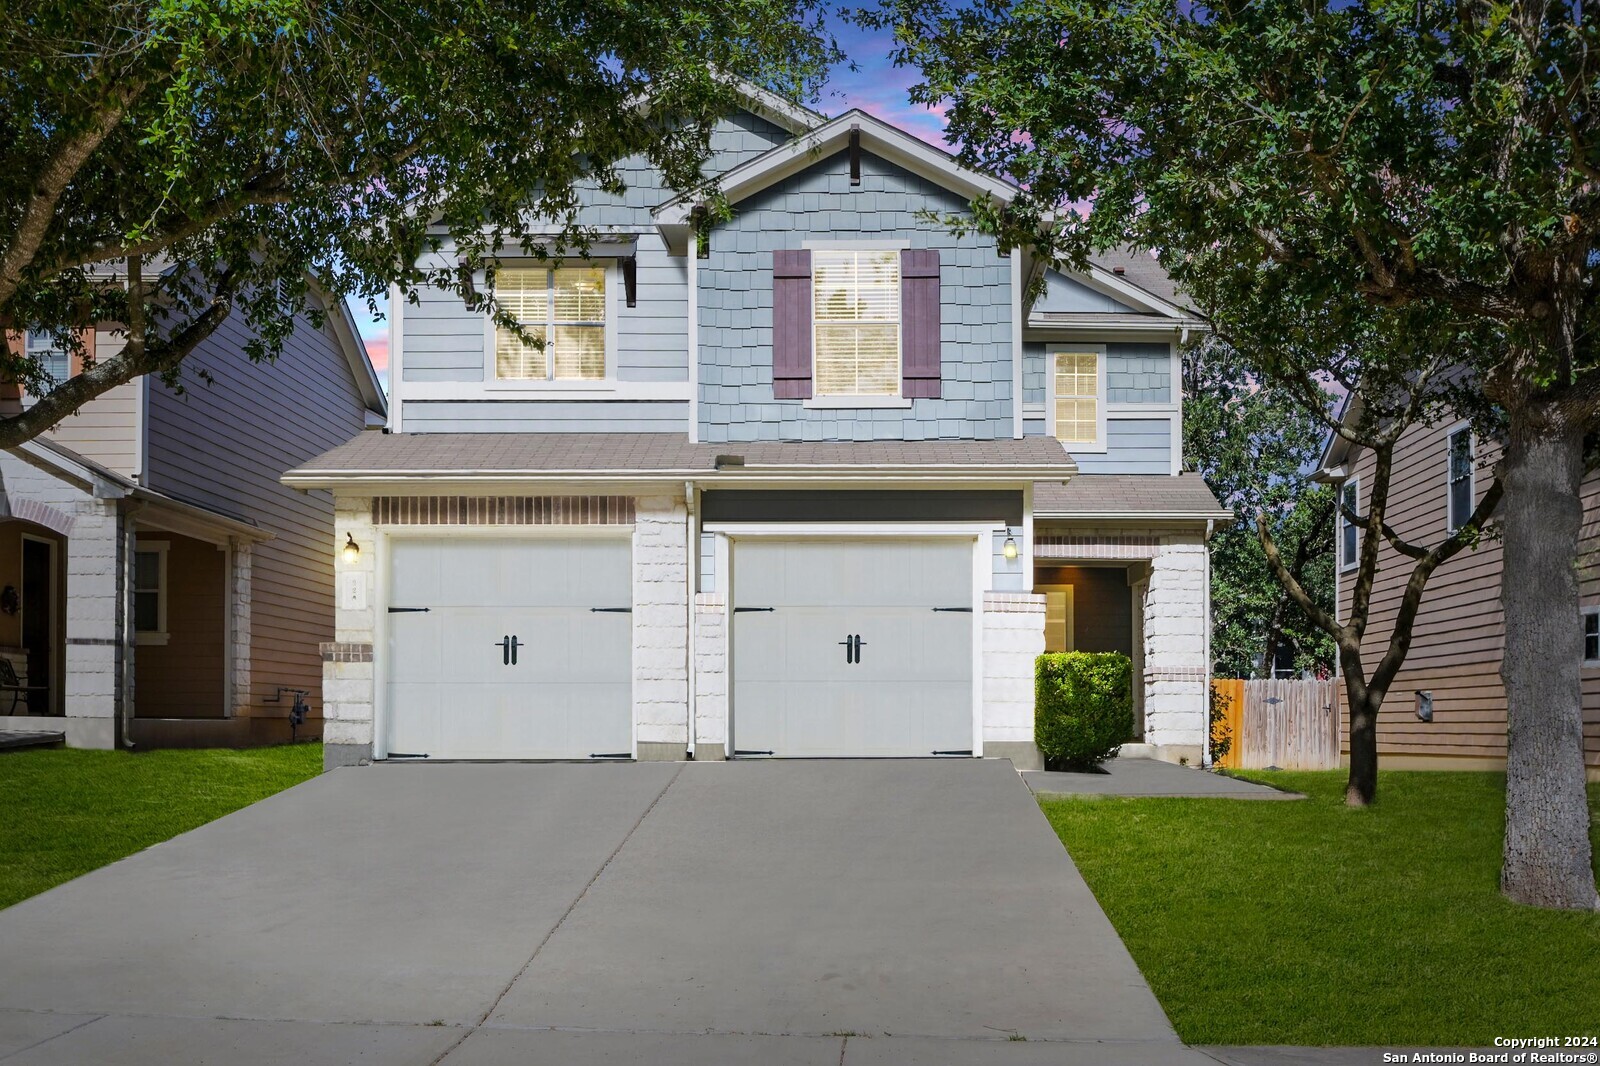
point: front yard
(65, 812)
(1310, 923)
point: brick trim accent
(1179, 673)
(42, 514)
(502, 510)
(1013, 603)
(1095, 546)
(345, 651)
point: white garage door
(852, 647)
(510, 648)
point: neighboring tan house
(816, 480)
(1447, 706)
(158, 585)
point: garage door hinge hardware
(742, 751)
(409, 610)
(738, 610)
(404, 755)
(955, 610)
(611, 610)
(963, 751)
(611, 755)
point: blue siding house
(819, 478)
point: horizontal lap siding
(735, 293)
(1459, 636)
(547, 416)
(106, 429)
(1133, 446)
(224, 446)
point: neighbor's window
(565, 309)
(1349, 533)
(53, 357)
(856, 318)
(1460, 477)
(1591, 636)
(1077, 397)
(150, 593)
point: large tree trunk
(1547, 849)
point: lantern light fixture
(351, 550)
(1009, 548)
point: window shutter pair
(919, 324)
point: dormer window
(563, 308)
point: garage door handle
(504, 644)
(515, 643)
(852, 647)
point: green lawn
(64, 812)
(1310, 923)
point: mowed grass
(66, 812)
(1311, 923)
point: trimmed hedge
(1082, 707)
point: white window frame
(158, 636)
(31, 350)
(491, 369)
(1586, 614)
(1450, 523)
(1052, 354)
(1352, 484)
(897, 399)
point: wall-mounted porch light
(1009, 548)
(351, 550)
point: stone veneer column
(711, 676)
(90, 529)
(239, 626)
(1175, 649)
(1013, 638)
(347, 677)
(661, 626)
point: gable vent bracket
(855, 156)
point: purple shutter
(919, 323)
(791, 324)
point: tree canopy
(1423, 171)
(164, 163)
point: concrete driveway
(774, 913)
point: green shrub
(1082, 707)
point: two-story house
(816, 479)
(158, 584)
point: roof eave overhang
(1150, 326)
(1134, 516)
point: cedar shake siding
(1458, 639)
(224, 445)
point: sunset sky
(876, 87)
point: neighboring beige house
(1452, 674)
(158, 586)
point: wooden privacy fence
(1293, 725)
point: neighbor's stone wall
(661, 626)
(93, 656)
(1013, 637)
(1175, 647)
(711, 675)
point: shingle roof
(1133, 495)
(1141, 270)
(468, 454)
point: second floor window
(1078, 405)
(565, 309)
(1460, 477)
(53, 357)
(1349, 532)
(1591, 636)
(856, 316)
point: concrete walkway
(773, 913)
(1150, 777)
